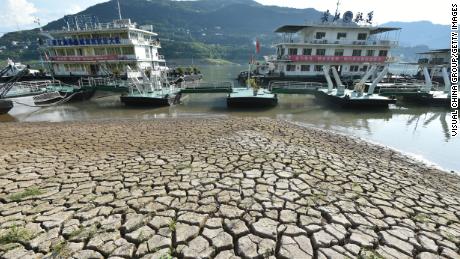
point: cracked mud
(216, 188)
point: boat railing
(400, 87)
(407, 87)
(101, 81)
(33, 85)
(391, 43)
(295, 85)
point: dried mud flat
(216, 188)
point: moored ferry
(350, 45)
(434, 60)
(102, 49)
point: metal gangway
(6, 87)
(295, 87)
(405, 88)
(199, 86)
(104, 84)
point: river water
(421, 132)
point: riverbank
(217, 187)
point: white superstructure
(351, 47)
(102, 49)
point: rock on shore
(216, 188)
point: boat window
(363, 69)
(383, 53)
(341, 35)
(356, 52)
(147, 52)
(306, 52)
(99, 52)
(321, 52)
(113, 51)
(60, 52)
(305, 68)
(338, 52)
(370, 52)
(320, 35)
(292, 51)
(354, 68)
(318, 68)
(290, 68)
(362, 36)
(128, 51)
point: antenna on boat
(119, 10)
(337, 14)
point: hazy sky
(20, 14)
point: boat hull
(82, 95)
(354, 103)
(427, 100)
(251, 102)
(75, 97)
(5, 106)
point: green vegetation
(29, 192)
(421, 217)
(206, 29)
(61, 250)
(210, 29)
(83, 233)
(166, 256)
(369, 254)
(15, 235)
(172, 225)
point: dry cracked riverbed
(216, 188)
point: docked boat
(152, 99)
(251, 96)
(435, 68)
(87, 49)
(433, 60)
(151, 91)
(93, 49)
(355, 98)
(12, 69)
(435, 87)
(352, 45)
(57, 93)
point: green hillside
(223, 29)
(215, 29)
